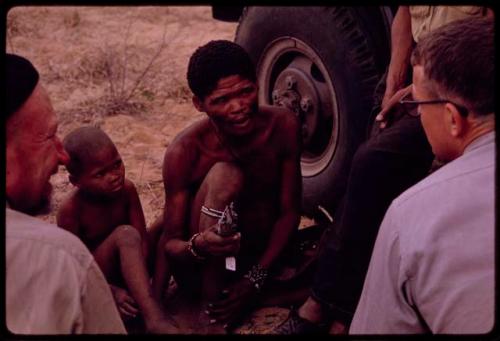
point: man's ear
(456, 122)
(198, 103)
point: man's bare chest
(261, 168)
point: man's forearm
(401, 47)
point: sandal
(294, 324)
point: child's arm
(67, 217)
(136, 217)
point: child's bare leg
(220, 187)
(125, 244)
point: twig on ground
(152, 60)
(125, 58)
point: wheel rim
(291, 74)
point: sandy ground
(122, 69)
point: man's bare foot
(338, 328)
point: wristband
(257, 275)
(190, 247)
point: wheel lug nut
(290, 82)
(276, 96)
(304, 130)
(305, 104)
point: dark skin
(104, 200)
(264, 142)
(104, 212)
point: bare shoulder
(280, 116)
(185, 144)
(129, 186)
(284, 122)
(68, 211)
(69, 204)
(130, 191)
(182, 153)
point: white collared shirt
(53, 284)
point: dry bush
(127, 77)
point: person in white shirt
(53, 284)
(432, 268)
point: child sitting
(106, 214)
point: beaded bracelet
(257, 275)
(190, 247)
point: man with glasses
(395, 157)
(432, 268)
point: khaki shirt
(425, 19)
(53, 284)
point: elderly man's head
(33, 150)
(454, 67)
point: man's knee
(127, 235)
(224, 181)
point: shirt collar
(480, 141)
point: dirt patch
(122, 69)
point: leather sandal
(294, 324)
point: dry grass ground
(89, 56)
(122, 69)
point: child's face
(104, 175)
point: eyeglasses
(411, 106)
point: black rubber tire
(354, 66)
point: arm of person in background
(136, 217)
(174, 213)
(66, 217)
(401, 47)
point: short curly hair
(82, 145)
(215, 60)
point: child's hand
(125, 303)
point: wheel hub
(291, 74)
(295, 90)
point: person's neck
(95, 198)
(478, 128)
(236, 145)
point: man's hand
(125, 303)
(390, 107)
(211, 243)
(227, 310)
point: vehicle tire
(323, 63)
